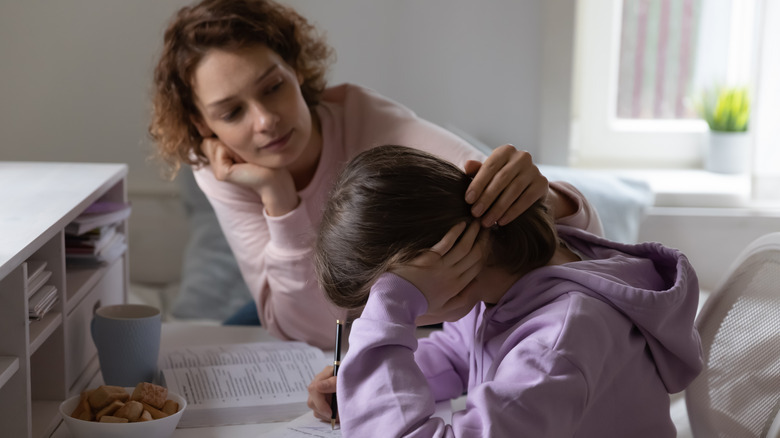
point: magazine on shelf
(91, 242)
(42, 301)
(99, 214)
(37, 275)
(241, 383)
(35, 282)
(111, 251)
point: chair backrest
(738, 392)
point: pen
(336, 362)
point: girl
(240, 95)
(551, 331)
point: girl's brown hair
(225, 24)
(391, 203)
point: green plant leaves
(725, 108)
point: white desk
(186, 334)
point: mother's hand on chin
(275, 187)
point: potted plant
(727, 112)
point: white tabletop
(38, 199)
(178, 334)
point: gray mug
(127, 337)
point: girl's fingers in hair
(510, 193)
(536, 191)
(485, 173)
(475, 252)
(463, 246)
(471, 167)
(443, 246)
(498, 170)
(509, 184)
(474, 262)
(516, 192)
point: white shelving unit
(43, 362)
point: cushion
(212, 286)
(621, 202)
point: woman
(241, 96)
(551, 331)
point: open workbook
(241, 383)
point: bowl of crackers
(147, 411)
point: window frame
(599, 138)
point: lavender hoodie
(584, 349)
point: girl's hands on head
(504, 186)
(444, 272)
(275, 186)
(321, 391)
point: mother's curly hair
(225, 24)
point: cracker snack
(112, 404)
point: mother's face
(250, 98)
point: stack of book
(41, 295)
(94, 237)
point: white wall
(76, 74)
(75, 81)
(711, 238)
(474, 64)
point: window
(655, 60)
(639, 64)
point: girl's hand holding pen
(321, 390)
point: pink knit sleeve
(585, 217)
(274, 256)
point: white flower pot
(727, 152)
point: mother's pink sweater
(275, 253)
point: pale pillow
(211, 283)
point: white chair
(738, 392)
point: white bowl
(160, 428)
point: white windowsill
(697, 188)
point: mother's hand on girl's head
(508, 182)
(443, 272)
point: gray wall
(75, 74)
(75, 81)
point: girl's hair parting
(228, 25)
(391, 203)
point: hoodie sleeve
(381, 387)
(443, 357)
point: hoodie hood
(654, 286)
